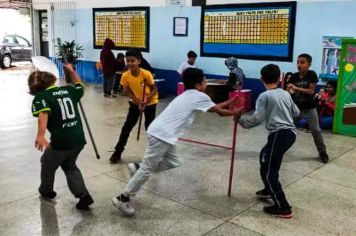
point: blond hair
(39, 81)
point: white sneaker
(125, 207)
(133, 167)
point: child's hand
(41, 143)
(238, 113)
(291, 88)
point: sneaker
(280, 212)
(115, 157)
(133, 167)
(84, 202)
(123, 205)
(113, 95)
(324, 157)
(263, 193)
(50, 195)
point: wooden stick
(143, 98)
(233, 148)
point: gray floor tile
(319, 208)
(154, 215)
(341, 171)
(231, 229)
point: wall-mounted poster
(180, 26)
(331, 57)
(128, 27)
(345, 112)
(261, 31)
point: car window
(22, 41)
(9, 39)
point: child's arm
(151, 94)
(129, 93)
(220, 108)
(249, 121)
(69, 71)
(41, 142)
(309, 91)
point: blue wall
(314, 20)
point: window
(22, 42)
(9, 39)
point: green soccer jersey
(64, 121)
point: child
(121, 67)
(278, 109)
(133, 82)
(164, 131)
(57, 111)
(326, 104)
(302, 85)
(192, 56)
(109, 63)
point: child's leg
(74, 176)
(105, 85)
(109, 84)
(131, 120)
(170, 160)
(155, 152)
(313, 121)
(50, 161)
(278, 143)
(116, 84)
(150, 114)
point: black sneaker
(50, 195)
(263, 193)
(324, 157)
(84, 202)
(115, 157)
(280, 212)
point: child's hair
(191, 54)
(191, 77)
(39, 81)
(287, 75)
(332, 83)
(134, 53)
(270, 74)
(120, 55)
(307, 57)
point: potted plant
(72, 50)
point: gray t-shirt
(276, 107)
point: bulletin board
(260, 31)
(128, 27)
(345, 110)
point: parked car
(14, 48)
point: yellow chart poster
(127, 27)
(262, 31)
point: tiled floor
(189, 200)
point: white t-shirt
(184, 66)
(179, 115)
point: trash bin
(161, 87)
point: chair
(99, 69)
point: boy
(121, 68)
(133, 83)
(302, 85)
(278, 109)
(57, 110)
(164, 131)
(192, 56)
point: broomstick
(143, 99)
